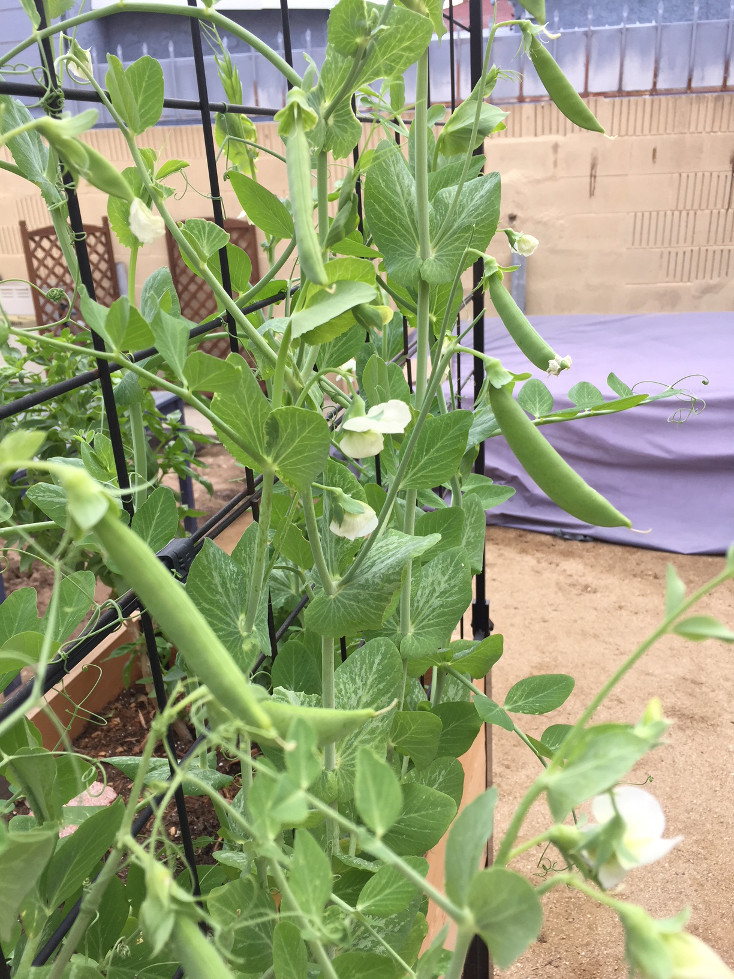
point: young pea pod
(326, 723)
(546, 467)
(196, 951)
(530, 342)
(560, 89)
(298, 164)
(536, 8)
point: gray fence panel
(605, 54)
(638, 63)
(675, 47)
(709, 55)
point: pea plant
(348, 740)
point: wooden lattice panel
(196, 298)
(47, 269)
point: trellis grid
(180, 552)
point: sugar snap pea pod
(546, 467)
(560, 89)
(327, 723)
(180, 620)
(536, 8)
(196, 952)
(298, 164)
(522, 331)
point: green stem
(574, 880)
(276, 394)
(257, 581)
(317, 948)
(365, 922)
(315, 541)
(207, 14)
(463, 941)
(328, 700)
(140, 453)
(246, 297)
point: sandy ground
(580, 608)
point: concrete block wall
(639, 222)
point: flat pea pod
(298, 164)
(564, 95)
(545, 466)
(527, 338)
(328, 724)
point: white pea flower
(693, 959)
(354, 525)
(363, 434)
(144, 224)
(84, 57)
(641, 842)
(525, 244)
(559, 364)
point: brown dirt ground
(581, 608)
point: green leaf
(490, 494)
(595, 763)
(619, 387)
(126, 327)
(303, 761)
(473, 223)
(454, 139)
(390, 207)
(466, 844)
(159, 771)
(246, 411)
(159, 293)
(290, 958)
(388, 892)
(585, 395)
(377, 793)
(553, 736)
(310, 875)
(206, 373)
(23, 857)
(539, 694)
(34, 771)
(415, 733)
(425, 817)
(444, 774)
(75, 598)
(19, 613)
(28, 150)
(75, 859)
(382, 381)
(475, 522)
(262, 207)
(51, 500)
(327, 305)
(136, 92)
(156, 520)
(440, 596)
(296, 667)
(205, 237)
(297, 443)
(535, 398)
(491, 713)
(6, 510)
(461, 724)
(348, 27)
(240, 267)
(675, 591)
(171, 334)
(438, 450)
(700, 627)
(218, 585)
(507, 913)
(478, 660)
(449, 523)
(18, 447)
(364, 602)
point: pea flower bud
(693, 959)
(521, 243)
(640, 842)
(83, 57)
(350, 518)
(144, 224)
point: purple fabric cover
(677, 480)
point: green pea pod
(180, 620)
(327, 723)
(546, 467)
(560, 89)
(298, 164)
(536, 8)
(196, 952)
(344, 223)
(530, 342)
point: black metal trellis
(180, 552)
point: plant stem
(327, 700)
(315, 541)
(322, 195)
(463, 941)
(317, 948)
(257, 582)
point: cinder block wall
(642, 221)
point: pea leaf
(159, 292)
(262, 207)
(441, 595)
(492, 713)
(156, 520)
(310, 876)
(244, 410)
(438, 450)
(377, 793)
(700, 627)
(675, 591)
(619, 387)
(304, 762)
(535, 398)
(171, 335)
(466, 844)
(136, 92)
(75, 598)
(297, 445)
(364, 601)
(415, 733)
(290, 958)
(507, 913)
(388, 892)
(461, 724)
(23, 858)
(160, 771)
(480, 658)
(19, 613)
(206, 373)
(473, 222)
(425, 817)
(585, 395)
(205, 237)
(539, 694)
(328, 305)
(18, 447)
(390, 207)
(296, 667)
(444, 774)
(348, 26)
(490, 494)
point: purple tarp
(675, 479)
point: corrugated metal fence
(694, 55)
